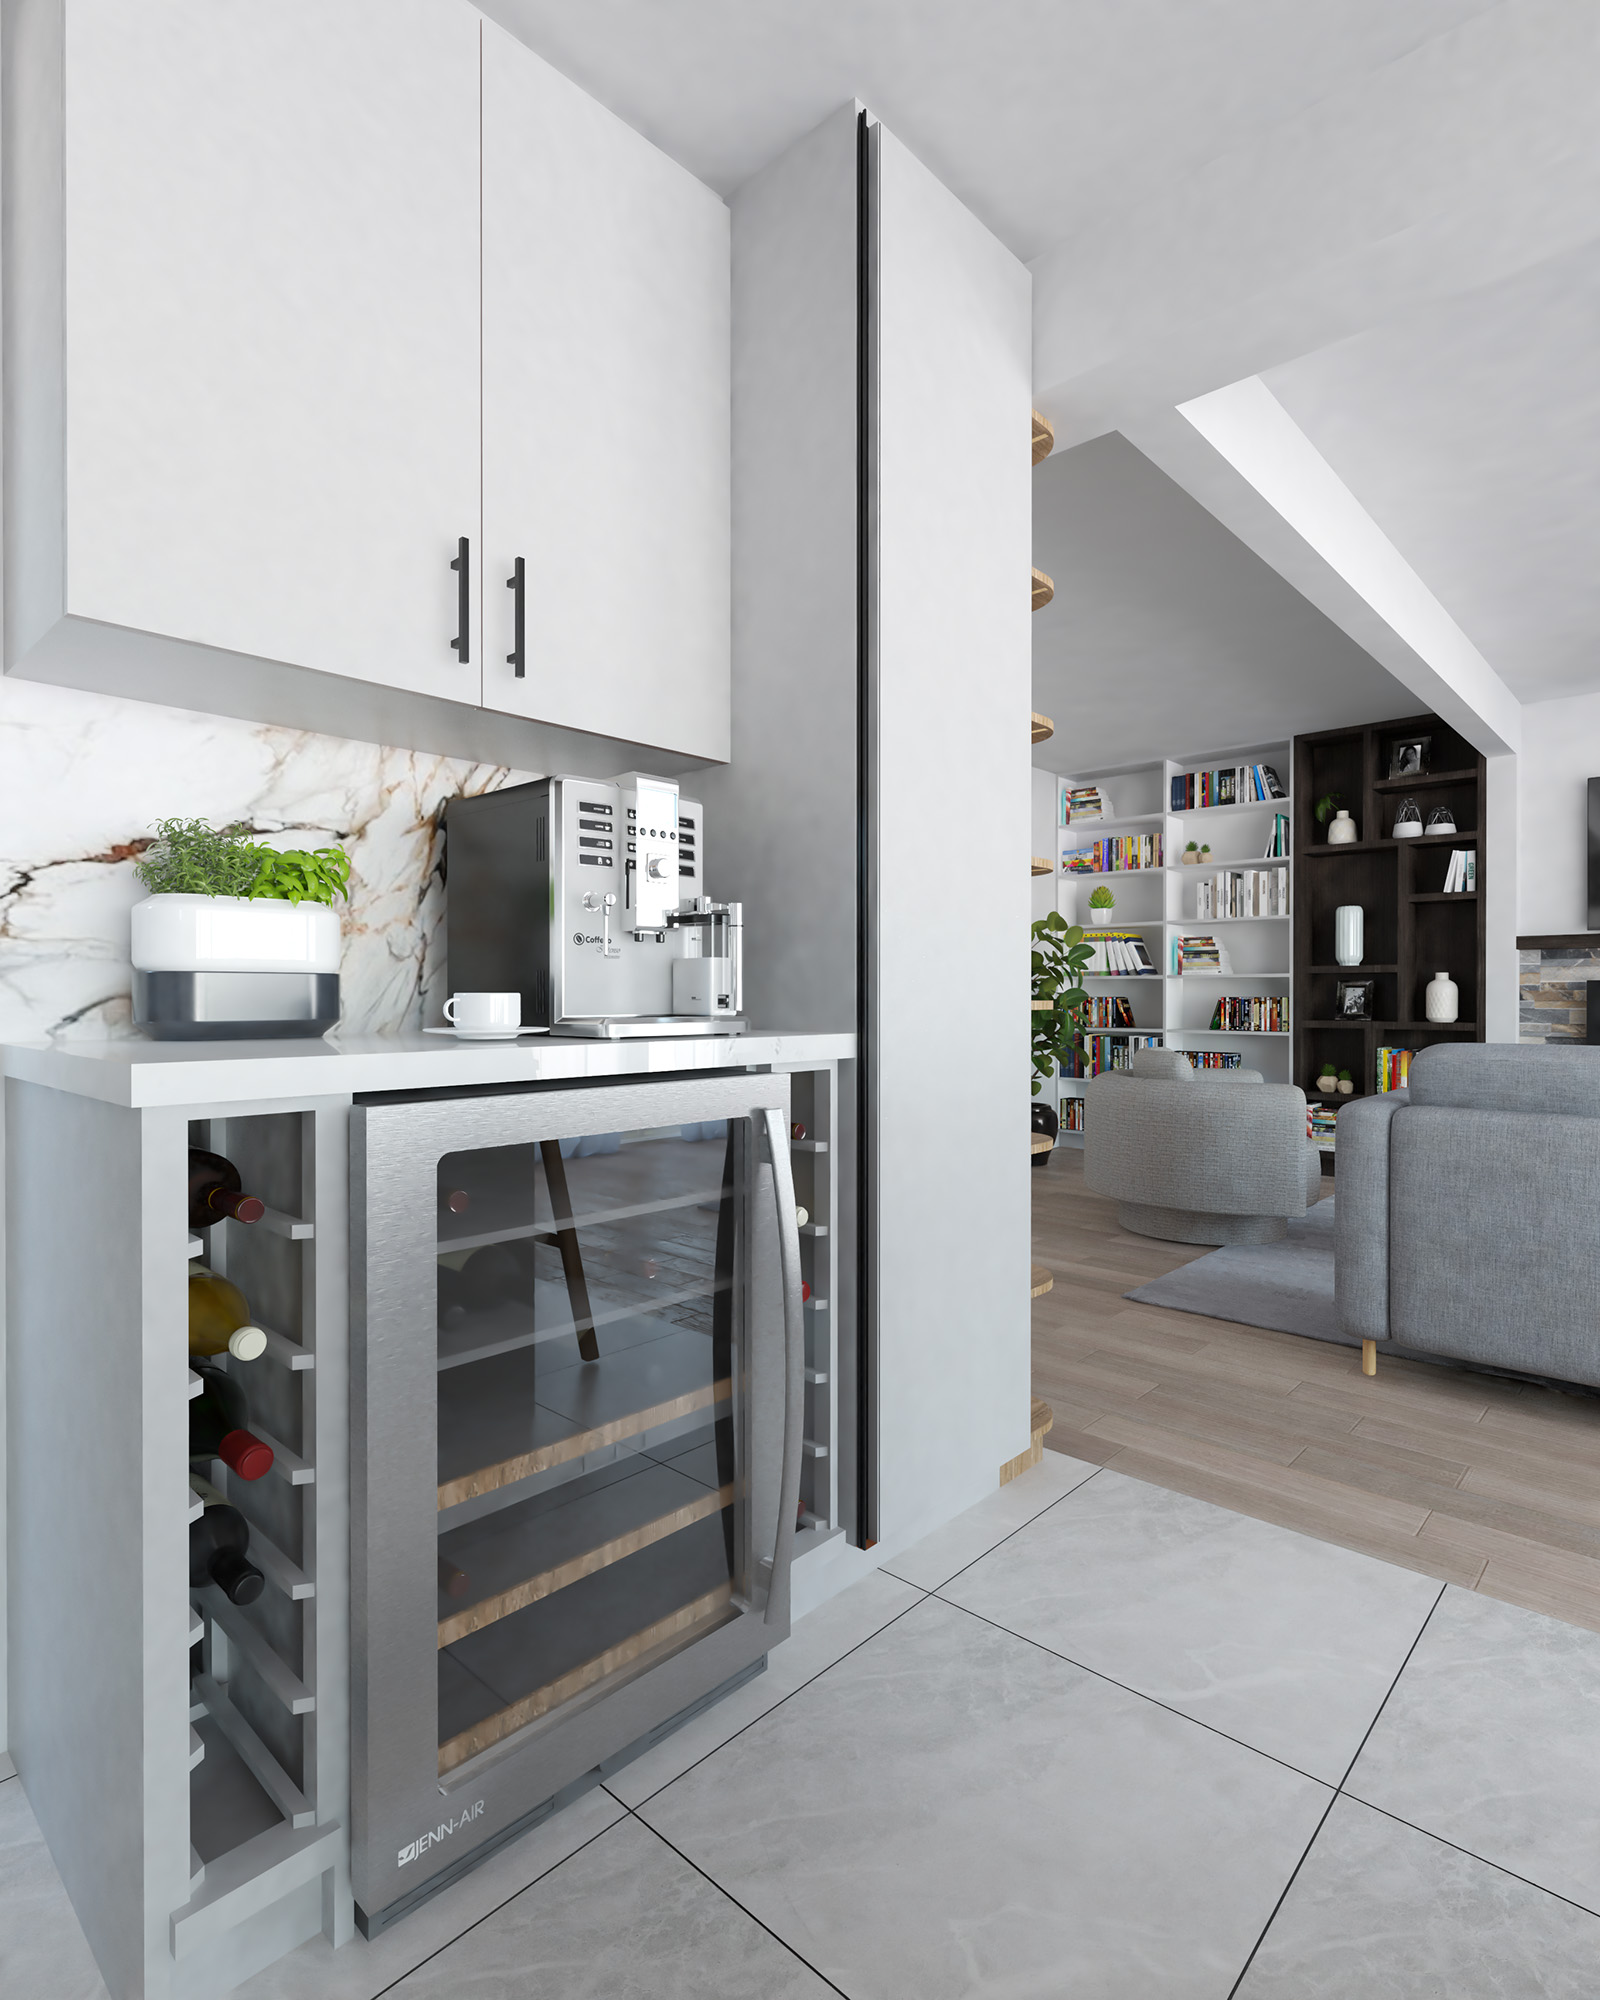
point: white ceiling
(1471, 434)
(1038, 114)
(1167, 636)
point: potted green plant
(1191, 852)
(1346, 1083)
(1327, 1079)
(1204, 851)
(1101, 904)
(1060, 1003)
(222, 907)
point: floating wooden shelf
(1039, 1007)
(1040, 1142)
(1041, 1280)
(1043, 728)
(1041, 1419)
(1043, 865)
(1043, 590)
(1044, 437)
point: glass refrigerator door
(593, 1503)
(577, 1378)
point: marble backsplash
(1553, 993)
(84, 776)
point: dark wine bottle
(452, 1581)
(217, 1545)
(215, 1190)
(219, 1420)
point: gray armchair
(1468, 1217)
(1199, 1156)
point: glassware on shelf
(1407, 820)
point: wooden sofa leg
(1369, 1357)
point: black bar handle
(463, 569)
(517, 581)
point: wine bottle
(456, 1200)
(219, 1427)
(219, 1318)
(215, 1190)
(217, 1545)
(452, 1581)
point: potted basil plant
(235, 938)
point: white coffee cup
(484, 1010)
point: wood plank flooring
(1489, 1484)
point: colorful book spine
(1072, 1109)
(1251, 1014)
(1123, 854)
(1393, 1068)
(1214, 1058)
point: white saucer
(486, 1034)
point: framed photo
(1408, 756)
(1354, 1001)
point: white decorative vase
(1349, 933)
(1442, 999)
(1100, 916)
(1343, 830)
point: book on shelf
(1393, 1068)
(1071, 1114)
(1242, 892)
(1214, 1058)
(1320, 1119)
(1080, 802)
(1094, 1054)
(1230, 785)
(1114, 855)
(1118, 955)
(1462, 874)
(1251, 1014)
(1110, 1010)
(1199, 953)
(1278, 840)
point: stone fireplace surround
(1552, 986)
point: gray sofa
(1199, 1156)
(1468, 1217)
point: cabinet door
(606, 394)
(272, 327)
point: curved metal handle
(518, 582)
(794, 1346)
(463, 569)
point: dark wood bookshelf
(1412, 927)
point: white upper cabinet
(302, 293)
(272, 328)
(606, 417)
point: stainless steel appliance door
(576, 1388)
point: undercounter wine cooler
(577, 1385)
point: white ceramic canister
(1349, 933)
(1442, 998)
(1343, 830)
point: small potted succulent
(1327, 1079)
(1101, 904)
(235, 938)
(1191, 852)
(1205, 853)
(1346, 1084)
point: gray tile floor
(1093, 1738)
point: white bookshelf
(1159, 903)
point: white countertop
(140, 1073)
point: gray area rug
(1286, 1286)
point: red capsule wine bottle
(218, 1542)
(219, 1427)
(215, 1190)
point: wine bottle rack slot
(287, 1353)
(294, 1227)
(253, 1647)
(284, 1793)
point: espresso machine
(585, 896)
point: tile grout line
(689, 1862)
(543, 1875)
(1338, 1793)
(1139, 1694)
(1471, 1854)
(1011, 1534)
(810, 1681)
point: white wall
(1560, 753)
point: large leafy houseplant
(1060, 958)
(190, 857)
